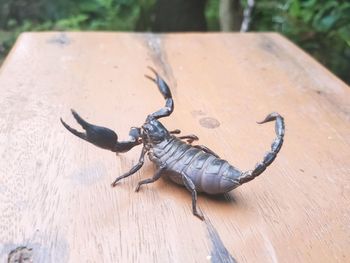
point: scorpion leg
(206, 149)
(164, 89)
(133, 169)
(189, 138)
(176, 131)
(103, 137)
(192, 188)
(156, 176)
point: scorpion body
(208, 173)
(196, 167)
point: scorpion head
(154, 131)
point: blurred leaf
(327, 22)
(74, 22)
(322, 28)
(294, 8)
(344, 33)
(308, 3)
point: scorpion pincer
(196, 167)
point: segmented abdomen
(209, 174)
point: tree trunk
(179, 15)
(231, 14)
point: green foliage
(17, 16)
(211, 14)
(322, 28)
(74, 15)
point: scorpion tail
(271, 155)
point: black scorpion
(196, 167)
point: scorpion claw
(100, 136)
(166, 93)
(155, 73)
(162, 86)
(150, 78)
(74, 131)
(80, 120)
(153, 70)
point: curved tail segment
(271, 155)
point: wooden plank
(55, 194)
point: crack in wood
(219, 253)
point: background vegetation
(321, 27)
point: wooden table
(55, 194)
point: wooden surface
(55, 194)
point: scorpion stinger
(164, 89)
(103, 137)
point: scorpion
(196, 167)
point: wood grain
(55, 194)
